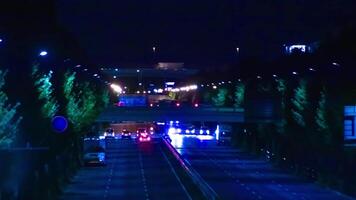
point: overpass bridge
(203, 114)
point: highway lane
(235, 174)
(133, 172)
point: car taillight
(196, 105)
(151, 104)
(177, 104)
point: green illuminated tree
(300, 103)
(45, 92)
(220, 98)
(88, 108)
(9, 121)
(239, 95)
(321, 118)
(73, 101)
(282, 88)
(105, 98)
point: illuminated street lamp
(116, 88)
(154, 49)
(43, 53)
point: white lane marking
(175, 174)
(143, 177)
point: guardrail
(206, 190)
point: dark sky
(193, 31)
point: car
(126, 134)
(109, 133)
(95, 155)
(191, 130)
(143, 136)
(204, 130)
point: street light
(43, 53)
(116, 88)
(154, 49)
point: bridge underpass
(203, 114)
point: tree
(239, 95)
(88, 105)
(282, 88)
(73, 102)
(300, 103)
(105, 98)
(9, 122)
(321, 118)
(220, 98)
(44, 88)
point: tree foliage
(45, 92)
(239, 95)
(83, 103)
(72, 108)
(9, 121)
(300, 103)
(220, 98)
(321, 118)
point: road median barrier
(193, 182)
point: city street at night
(177, 100)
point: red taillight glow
(151, 104)
(177, 104)
(196, 105)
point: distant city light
(138, 71)
(85, 69)
(274, 75)
(139, 84)
(336, 64)
(311, 69)
(154, 49)
(294, 73)
(138, 92)
(239, 80)
(95, 75)
(116, 69)
(114, 76)
(0, 40)
(43, 53)
(259, 77)
(237, 49)
(214, 87)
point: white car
(95, 155)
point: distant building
(300, 48)
(170, 65)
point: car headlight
(201, 131)
(187, 131)
(207, 131)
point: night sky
(197, 32)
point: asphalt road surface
(133, 172)
(234, 174)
